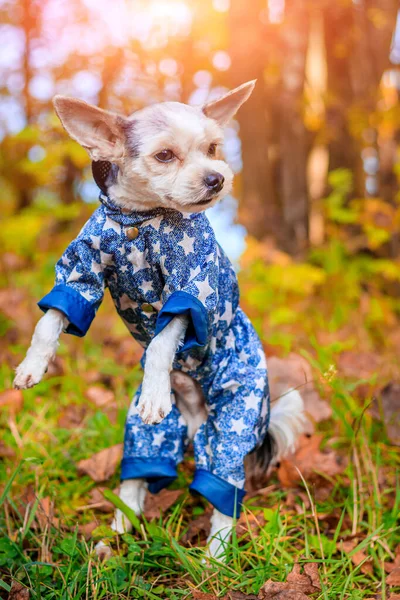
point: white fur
(287, 422)
(43, 348)
(132, 493)
(155, 398)
(220, 534)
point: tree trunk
(293, 137)
(258, 208)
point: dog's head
(167, 154)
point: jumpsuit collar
(134, 217)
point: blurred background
(315, 207)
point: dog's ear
(100, 132)
(223, 109)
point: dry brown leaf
(198, 595)
(295, 372)
(99, 502)
(394, 597)
(358, 557)
(99, 396)
(387, 407)
(159, 503)
(394, 578)
(359, 365)
(199, 527)
(87, 529)
(102, 465)
(6, 451)
(311, 570)
(12, 399)
(72, 416)
(310, 461)
(296, 587)
(277, 590)
(18, 592)
(391, 566)
(308, 583)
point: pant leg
(237, 423)
(152, 452)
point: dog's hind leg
(220, 534)
(132, 493)
(189, 400)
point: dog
(205, 374)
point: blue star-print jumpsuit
(158, 264)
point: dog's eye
(165, 155)
(212, 149)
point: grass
(55, 561)
(348, 525)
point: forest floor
(326, 525)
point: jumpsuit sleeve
(79, 285)
(191, 272)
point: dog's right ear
(100, 132)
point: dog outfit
(158, 264)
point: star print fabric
(173, 265)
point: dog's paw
(30, 372)
(155, 399)
(103, 551)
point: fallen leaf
(358, 557)
(391, 566)
(87, 528)
(159, 503)
(12, 399)
(199, 527)
(310, 461)
(311, 569)
(394, 578)
(305, 582)
(359, 365)
(278, 590)
(72, 416)
(197, 595)
(6, 451)
(99, 396)
(56, 367)
(18, 591)
(295, 372)
(296, 587)
(99, 502)
(102, 465)
(387, 407)
(394, 597)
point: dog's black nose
(214, 181)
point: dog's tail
(287, 423)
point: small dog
(205, 375)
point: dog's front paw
(155, 399)
(30, 372)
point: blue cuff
(79, 312)
(158, 473)
(182, 303)
(226, 497)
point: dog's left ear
(223, 109)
